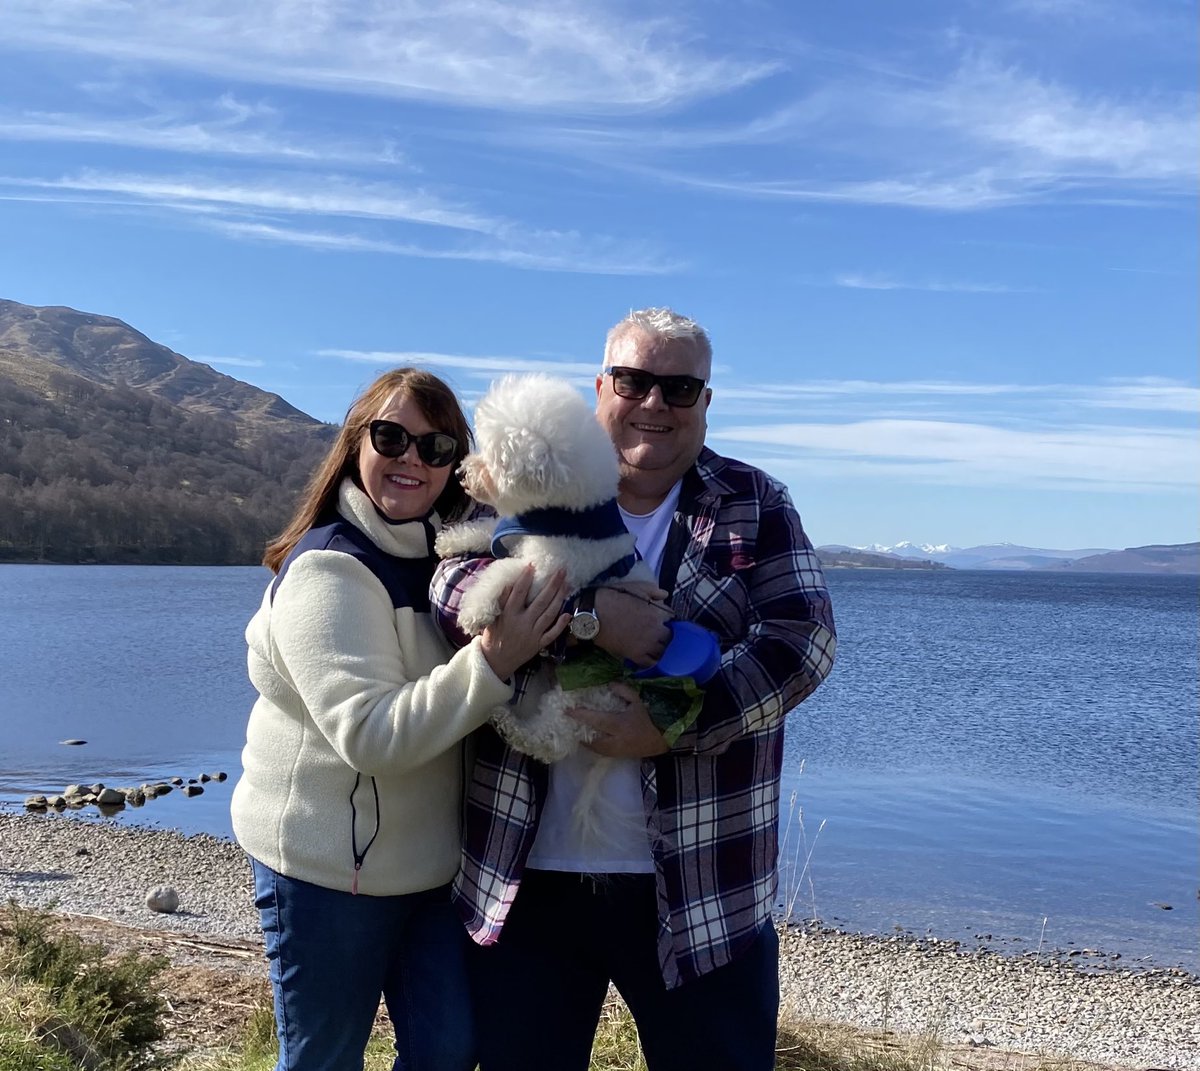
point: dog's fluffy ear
(528, 466)
(477, 479)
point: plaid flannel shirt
(749, 573)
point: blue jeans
(539, 990)
(332, 955)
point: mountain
(1182, 558)
(835, 556)
(1178, 558)
(38, 343)
(905, 549)
(114, 448)
(985, 556)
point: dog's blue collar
(595, 522)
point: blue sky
(946, 251)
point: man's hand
(633, 622)
(622, 734)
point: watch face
(585, 626)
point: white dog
(546, 466)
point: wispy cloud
(973, 434)
(309, 239)
(988, 135)
(1064, 133)
(236, 362)
(855, 281)
(984, 188)
(542, 54)
(1123, 19)
(1143, 271)
(257, 209)
(1133, 394)
(561, 254)
(969, 454)
(779, 125)
(226, 127)
(329, 195)
(1146, 393)
(488, 366)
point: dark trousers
(538, 992)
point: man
(674, 906)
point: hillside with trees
(1170, 559)
(115, 449)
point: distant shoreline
(139, 565)
(828, 566)
(1029, 1002)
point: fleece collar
(403, 539)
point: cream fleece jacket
(356, 682)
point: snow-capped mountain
(985, 556)
(906, 549)
(1173, 558)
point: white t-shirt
(624, 847)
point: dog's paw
(470, 537)
(480, 603)
(477, 610)
(476, 619)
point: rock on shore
(1148, 1019)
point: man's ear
(599, 384)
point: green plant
(22, 1008)
(259, 1039)
(259, 1048)
(100, 1011)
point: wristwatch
(585, 625)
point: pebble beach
(1026, 1006)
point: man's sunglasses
(436, 448)
(679, 392)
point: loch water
(1005, 759)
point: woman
(348, 806)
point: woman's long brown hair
(439, 406)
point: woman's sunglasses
(679, 392)
(436, 448)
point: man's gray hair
(665, 323)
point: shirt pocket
(720, 599)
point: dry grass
(218, 1018)
(813, 1046)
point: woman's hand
(525, 625)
